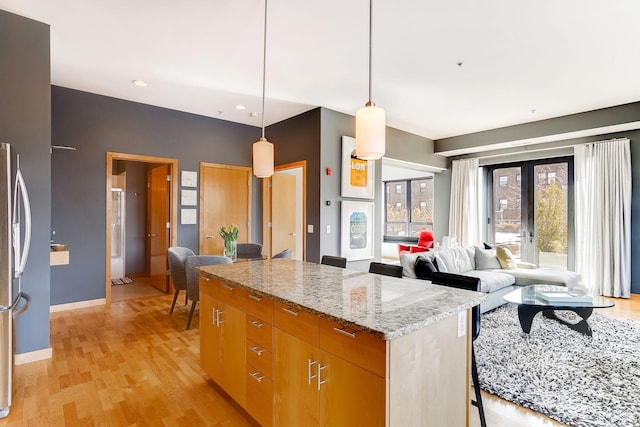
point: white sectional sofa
(483, 264)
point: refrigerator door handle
(22, 256)
(22, 309)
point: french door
(530, 210)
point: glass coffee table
(547, 299)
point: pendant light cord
(264, 63)
(370, 31)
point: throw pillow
(442, 266)
(425, 268)
(489, 245)
(486, 259)
(506, 258)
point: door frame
(173, 212)
(266, 207)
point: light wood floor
(134, 365)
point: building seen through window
(408, 209)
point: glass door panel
(551, 215)
(507, 212)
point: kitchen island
(304, 344)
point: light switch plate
(462, 323)
(310, 228)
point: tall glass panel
(551, 217)
(397, 210)
(507, 212)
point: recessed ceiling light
(240, 107)
(140, 83)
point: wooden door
(284, 207)
(157, 231)
(209, 337)
(350, 395)
(233, 341)
(295, 388)
(225, 199)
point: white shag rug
(578, 380)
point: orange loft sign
(358, 172)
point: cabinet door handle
(257, 350)
(214, 317)
(257, 324)
(320, 369)
(291, 312)
(310, 363)
(256, 376)
(227, 287)
(345, 332)
(255, 298)
(218, 321)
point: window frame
(409, 203)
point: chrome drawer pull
(347, 333)
(206, 279)
(291, 312)
(218, 321)
(227, 287)
(257, 350)
(310, 363)
(255, 298)
(257, 324)
(256, 376)
(320, 369)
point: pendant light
(370, 126)
(263, 149)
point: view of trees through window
(408, 207)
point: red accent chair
(425, 242)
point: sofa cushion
(486, 259)
(425, 268)
(455, 260)
(408, 262)
(492, 280)
(505, 258)
(525, 276)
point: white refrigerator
(15, 236)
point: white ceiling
(521, 61)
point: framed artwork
(356, 230)
(189, 198)
(189, 179)
(188, 216)
(357, 174)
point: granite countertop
(386, 307)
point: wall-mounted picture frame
(356, 230)
(189, 197)
(189, 179)
(357, 179)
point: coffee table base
(526, 313)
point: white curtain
(603, 216)
(464, 209)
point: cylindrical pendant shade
(262, 158)
(370, 132)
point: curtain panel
(603, 216)
(465, 205)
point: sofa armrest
(527, 265)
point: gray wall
(25, 123)
(95, 124)
(588, 120)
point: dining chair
(193, 282)
(385, 269)
(249, 250)
(283, 254)
(471, 284)
(177, 256)
(335, 261)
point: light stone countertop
(386, 307)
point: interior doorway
(159, 221)
(284, 210)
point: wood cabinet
(223, 338)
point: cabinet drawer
(232, 295)
(297, 322)
(208, 286)
(357, 347)
(260, 306)
(259, 397)
(260, 332)
(260, 358)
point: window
(551, 178)
(518, 178)
(408, 209)
(503, 204)
(503, 181)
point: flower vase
(230, 249)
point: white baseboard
(33, 356)
(79, 304)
